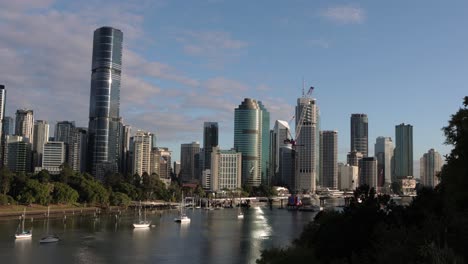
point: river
(211, 237)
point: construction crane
(293, 140)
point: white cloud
(344, 14)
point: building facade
(17, 155)
(2, 114)
(141, 152)
(359, 133)
(287, 168)
(78, 149)
(403, 151)
(41, 136)
(384, 149)
(188, 163)
(368, 172)
(226, 170)
(265, 123)
(329, 159)
(210, 140)
(54, 156)
(105, 125)
(25, 124)
(278, 136)
(354, 157)
(430, 166)
(348, 177)
(248, 140)
(307, 146)
(8, 126)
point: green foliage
(119, 199)
(64, 194)
(3, 199)
(93, 192)
(43, 176)
(35, 192)
(6, 179)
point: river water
(211, 237)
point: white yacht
(182, 218)
(142, 223)
(22, 234)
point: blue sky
(186, 62)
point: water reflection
(216, 236)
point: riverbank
(39, 211)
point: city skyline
(159, 71)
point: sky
(186, 62)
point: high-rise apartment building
(383, 149)
(141, 152)
(278, 136)
(359, 133)
(25, 124)
(210, 140)
(188, 163)
(77, 149)
(54, 156)
(176, 169)
(225, 170)
(265, 124)
(348, 177)
(17, 155)
(41, 136)
(105, 126)
(368, 172)
(8, 126)
(165, 170)
(126, 163)
(403, 151)
(287, 168)
(307, 145)
(329, 159)
(248, 140)
(430, 166)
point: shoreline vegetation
(433, 228)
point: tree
(35, 192)
(43, 176)
(66, 172)
(119, 199)
(6, 179)
(64, 194)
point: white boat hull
(182, 220)
(142, 225)
(23, 236)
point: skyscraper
(329, 159)
(25, 124)
(141, 152)
(41, 136)
(210, 140)
(384, 154)
(8, 125)
(265, 143)
(54, 156)
(279, 134)
(368, 172)
(431, 164)
(77, 149)
(187, 161)
(2, 112)
(63, 131)
(126, 163)
(104, 120)
(225, 170)
(307, 146)
(248, 140)
(359, 133)
(403, 151)
(17, 156)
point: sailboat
(23, 233)
(183, 218)
(49, 238)
(141, 223)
